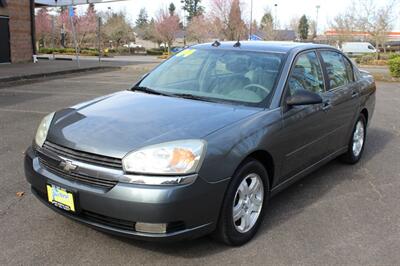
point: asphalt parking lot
(338, 215)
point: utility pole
(71, 15)
(276, 17)
(251, 19)
(52, 35)
(316, 20)
(99, 37)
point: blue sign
(254, 37)
(71, 11)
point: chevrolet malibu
(200, 144)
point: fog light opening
(151, 228)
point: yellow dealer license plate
(60, 198)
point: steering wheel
(258, 86)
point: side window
(306, 74)
(349, 69)
(338, 72)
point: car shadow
(284, 206)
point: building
(16, 31)
(277, 35)
(360, 36)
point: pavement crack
(373, 186)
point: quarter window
(306, 74)
(339, 74)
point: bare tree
(117, 29)
(345, 24)
(227, 19)
(376, 21)
(43, 26)
(198, 29)
(220, 16)
(267, 25)
(365, 16)
(294, 25)
(167, 27)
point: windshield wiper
(151, 91)
(193, 97)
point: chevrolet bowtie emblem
(68, 166)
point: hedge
(394, 67)
(126, 50)
(155, 51)
(365, 59)
(393, 56)
(89, 51)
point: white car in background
(357, 48)
(132, 45)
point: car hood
(122, 122)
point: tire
(353, 155)
(236, 233)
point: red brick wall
(20, 30)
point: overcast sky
(286, 9)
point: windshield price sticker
(186, 52)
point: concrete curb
(7, 81)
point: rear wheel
(356, 142)
(244, 204)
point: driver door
(305, 127)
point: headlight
(175, 157)
(41, 133)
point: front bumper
(189, 210)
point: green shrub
(394, 67)
(155, 51)
(393, 56)
(367, 59)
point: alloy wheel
(358, 138)
(248, 202)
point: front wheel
(244, 204)
(356, 142)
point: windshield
(219, 75)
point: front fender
(228, 147)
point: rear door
(342, 96)
(4, 40)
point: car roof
(265, 46)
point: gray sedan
(200, 144)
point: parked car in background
(132, 45)
(200, 144)
(358, 48)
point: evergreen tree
(143, 18)
(193, 8)
(171, 9)
(303, 28)
(267, 21)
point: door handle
(327, 105)
(355, 94)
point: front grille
(104, 183)
(83, 156)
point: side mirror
(303, 97)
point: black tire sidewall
(230, 234)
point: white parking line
(49, 92)
(22, 111)
(99, 82)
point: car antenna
(216, 43)
(237, 44)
